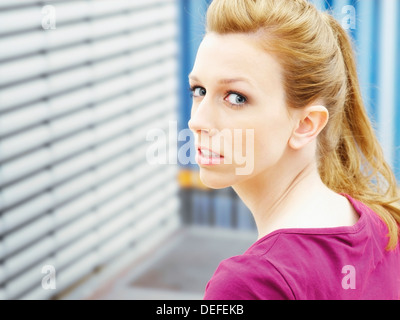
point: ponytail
(357, 166)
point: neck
(279, 200)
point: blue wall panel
(397, 106)
(192, 15)
(367, 52)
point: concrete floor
(181, 268)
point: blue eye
(236, 99)
(198, 92)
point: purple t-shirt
(314, 264)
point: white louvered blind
(76, 102)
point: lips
(205, 156)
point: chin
(214, 180)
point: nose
(201, 120)
(206, 131)
(200, 130)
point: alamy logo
(238, 146)
(49, 18)
(349, 280)
(349, 21)
(49, 280)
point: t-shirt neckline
(359, 207)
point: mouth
(207, 157)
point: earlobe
(310, 122)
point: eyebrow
(224, 81)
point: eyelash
(233, 106)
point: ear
(310, 121)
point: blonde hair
(318, 64)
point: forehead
(235, 56)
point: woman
(324, 200)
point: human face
(238, 98)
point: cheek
(270, 142)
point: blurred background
(83, 213)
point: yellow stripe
(190, 179)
